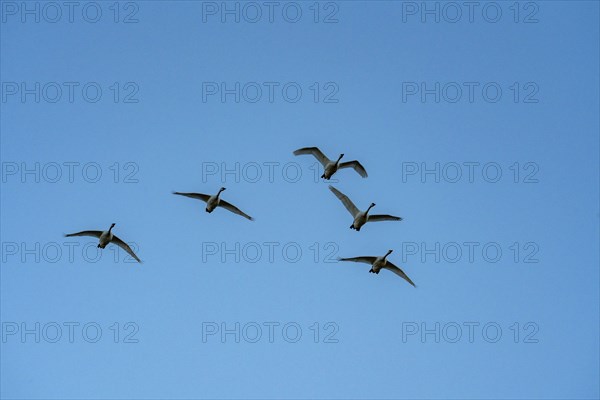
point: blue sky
(161, 137)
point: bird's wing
(198, 196)
(391, 267)
(85, 233)
(234, 209)
(315, 152)
(125, 247)
(365, 259)
(384, 217)
(345, 200)
(357, 167)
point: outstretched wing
(234, 209)
(383, 217)
(197, 196)
(315, 152)
(366, 260)
(125, 247)
(345, 200)
(357, 167)
(399, 272)
(85, 233)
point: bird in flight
(361, 217)
(106, 237)
(379, 263)
(215, 201)
(331, 167)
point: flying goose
(377, 263)
(330, 166)
(106, 237)
(361, 217)
(215, 201)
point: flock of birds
(360, 218)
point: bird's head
(340, 157)
(222, 189)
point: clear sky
(506, 266)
